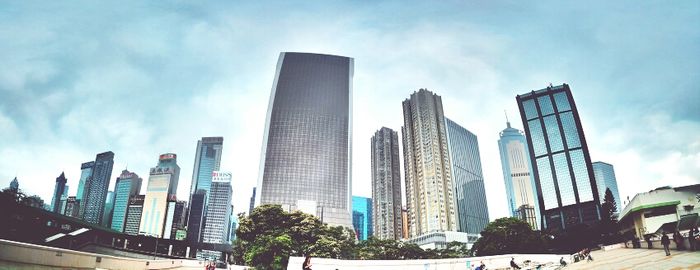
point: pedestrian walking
(678, 238)
(691, 238)
(665, 242)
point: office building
(207, 160)
(306, 153)
(218, 214)
(162, 185)
(179, 215)
(128, 185)
(63, 202)
(517, 175)
(605, 179)
(109, 210)
(566, 186)
(58, 190)
(386, 185)
(252, 203)
(85, 175)
(95, 190)
(362, 217)
(427, 166)
(467, 179)
(71, 207)
(133, 215)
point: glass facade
(306, 155)
(605, 178)
(566, 188)
(85, 174)
(468, 182)
(517, 176)
(95, 190)
(386, 185)
(362, 217)
(128, 185)
(109, 208)
(58, 191)
(207, 160)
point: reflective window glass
(530, 110)
(555, 141)
(549, 194)
(583, 184)
(570, 130)
(566, 188)
(562, 102)
(537, 137)
(545, 105)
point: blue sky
(145, 78)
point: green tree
(507, 236)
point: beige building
(162, 186)
(429, 192)
(387, 218)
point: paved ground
(634, 259)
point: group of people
(680, 241)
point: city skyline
(55, 89)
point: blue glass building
(566, 185)
(362, 217)
(85, 174)
(207, 160)
(128, 185)
(96, 185)
(605, 178)
(517, 175)
(467, 179)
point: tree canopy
(507, 236)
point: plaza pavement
(639, 259)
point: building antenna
(507, 121)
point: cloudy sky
(143, 78)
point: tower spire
(507, 121)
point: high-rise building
(133, 215)
(561, 164)
(386, 185)
(85, 175)
(58, 191)
(179, 215)
(306, 151)
(63, 201)
(128, 185)
(207, 160)
(71, 207)
(109, 210)
(162, 186)
(95, 190)
(517, 174)
(252, 203)
(362, 217)
(605, 179)
(467, 179)
(14, 185)
(218, 214)
(428, 174)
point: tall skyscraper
(517, 175)
(85, 175)
(162, 187)
(133, 215)
(63, 201)
(179, 215)
(386, 185)
(306, 153)
(467, 179)
(95, 190)
(109, 210)
(362, 217)
(71, 207)
(252, 202)
(428, 175)
(58, 191)
(207, 160)
(128, 185)
(566, 186)
(218, 214)
(605, 178)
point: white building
(439, 240)
(647, 212)
(218, 213)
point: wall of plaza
(491, 262)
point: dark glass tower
(58, 191)
(96, 186)
(305, 162)
(566, 186)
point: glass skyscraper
(96, 185)
(109, 208)
(517, 176)
(128, 185)
(306, 151)
(386, 185)
(85, 174)
(566, 186)
(218, 214)
(605, 178)
(162, 186)
(362, 217)
(207, 160)
(427, 166)
(467, 179)
(58, 191)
